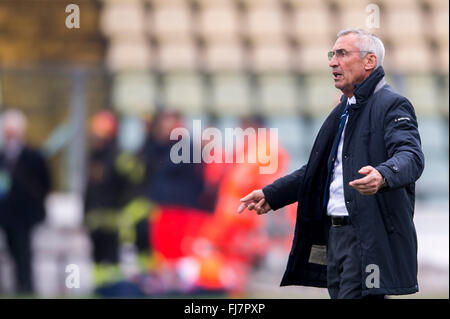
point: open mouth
(337, 75)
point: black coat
(23, 204)
(105, 187)
(382, 132)
(172, 183)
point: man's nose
(333, 62)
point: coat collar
(367, 87)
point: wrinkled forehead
(347, 42)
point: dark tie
(333, 153)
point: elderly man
(24, 184)
(355, 233)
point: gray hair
(367, 42)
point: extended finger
(362, 181)
(247, 198)
(367, 191)
(364, 187)
(242, 208)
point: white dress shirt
(336, 202)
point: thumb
(365, 170)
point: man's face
(166, 124)
(348, 69)
(11, 134)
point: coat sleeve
(405, 161)
(45, 177)
(284, 191)
(38, 182)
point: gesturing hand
(369, 184)
(255, 201)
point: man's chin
(338, 85)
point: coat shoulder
(387, 98)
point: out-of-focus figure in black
(171, 183)
(113, 207)
(104, 194)
(24, 184)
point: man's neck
(349, 93)
(13, 149)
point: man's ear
(371, 62)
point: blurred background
(100, 100)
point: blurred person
(24, 184)
(174, 189)
(212, 242)
(116, 210)
(241, 239)
(355, 233)
(213, 173)
(171, 183)
(233, 186)
(131, 163)
(104, 195)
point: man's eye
(340, 53)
